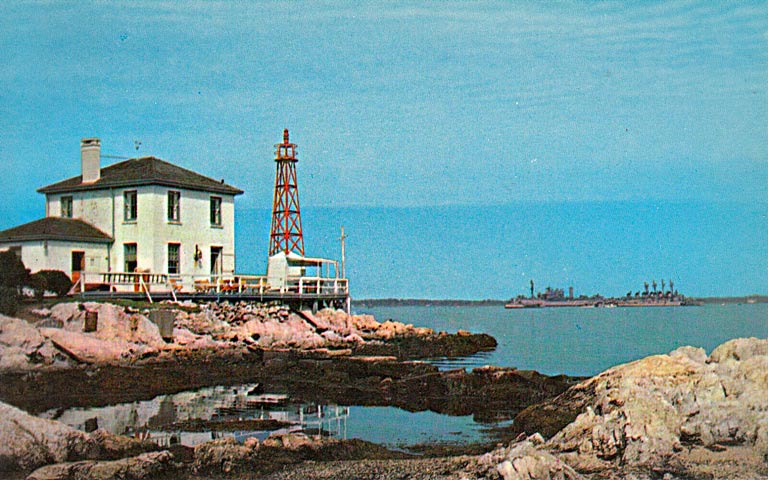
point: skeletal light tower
(286, 235)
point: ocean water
(585, 341)
(574, 341)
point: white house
(142, 214)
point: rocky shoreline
(679, 416)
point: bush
(9, 300)
(13, 273)
(56, 281)
(39, 284)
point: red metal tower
(286, 235)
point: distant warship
(645, 298)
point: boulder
(364, 323)
(290, 441)
(290, 331)
(64, 312)
(113, 447)
(646, 413)
(337, 320)
(698, 355)
(86, 348)
(116, 324)
(144, 466)
(29, 442)
(222, 455)
(523, 460)
(739, 349)
(17, 333)
(22, 346)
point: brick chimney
(90, 158)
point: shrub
(39, 284)
(9, 300)
(56, 281)
(13, 273)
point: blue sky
(397, 104)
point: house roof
(55, 228)
(143, 171)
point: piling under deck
(304, 301)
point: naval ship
(642, 298)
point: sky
(401, 105)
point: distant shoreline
(420, 302)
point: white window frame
(134, 256)
(174, 257)
(216, 204)
(174, 206)
(67, 206)
(131, 205)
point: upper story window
(216, 211)
(66, 207)
(131, 210)
(174, 211)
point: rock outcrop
(124, 335)
(522, 460)
(23, 347)
(675, 414)
(30, 442)
(141, 467)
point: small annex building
(138, 215)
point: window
(173, 258)
(216, 260)
(129, 252)
(173, 206)
(66, 207)
(216, 211)
(129, 198)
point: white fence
(148, 283)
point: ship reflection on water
(194, 417)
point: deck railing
(147, 283)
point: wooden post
(343, 259)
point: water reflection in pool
(194, 417)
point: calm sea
(574, 341)
(585, 341)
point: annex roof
(143, 171)
(55, 228)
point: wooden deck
(301, 292)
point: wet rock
(113, 447)
(222, 455)
(144, 466)
(291, 441)
(29, 442)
